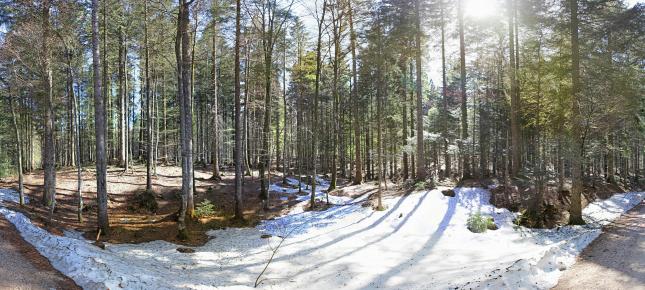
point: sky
(474, 10)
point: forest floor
(419, 241)
(131, 223)
(22, 267)
(615, 260)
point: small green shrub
(421, 185)
(478, 223)
(204, 209)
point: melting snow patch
(420, 241)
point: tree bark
(314, 157)
(358, 174)
(575, 210)
(215, 108)
(21, 188)
(149, 153)
(99, 115)
(465, 157)
(49, 156)
(420, 171)
(182, 54)
(515, 122)
(237, 153)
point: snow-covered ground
(419, 242)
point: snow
(420, 241)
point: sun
(481, 8)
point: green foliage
(478, 223)
(204, 209)
(421, 185)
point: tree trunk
(215, 150)
(358, 175)
(49, 158)
(465, 157)
(99, 115)
(446, 113)
(421, 174)
(182, 54)
(21, 188)
(149, 154)
(575, 210)
(315, 108)
(237, 153)
(515, 122)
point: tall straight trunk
(358, 174)
(76, 135)
(420, 172)
(611, 164)
(182, 54)
(462, 90)
(379, 116)
(237, 153)
(123, 152)
(337, 30)
(404, 102)
(215, 149)
(99, 127)
(575, 210)
(315, 109)
(49, 158)
(149, 154)
(444, 95)
(105, 83)
(247, 139)
(412, 125)
(515, 122)
(21, 188)
(284, 101)
(165, 117)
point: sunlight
(481, 8)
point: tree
(100, 127)
(182, 43)
(49, 158)
(575, 210)
(149, 153)
(215, 107)
(515, 99)
(21, 187)
(314, 136)
(465, 157)
(358, 175)
(237, 153)
(420, 171)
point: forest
(299, 143)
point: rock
(265, 236)
(448, 192)
(185, 250)
(99, 244)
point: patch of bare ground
(22, 267)
(517, 195)
(133, 224)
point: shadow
(361, 246)
(426, 249)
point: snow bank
(420, 241)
